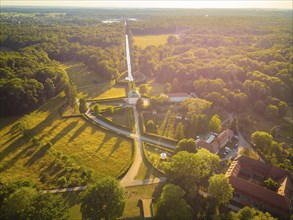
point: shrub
(61, 181)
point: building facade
(177, 97)
(215, 143)
(247, 176)
(132, 97)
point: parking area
(230, 149)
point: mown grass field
(55, 147)
(148, 40)
(121, 116)
(89, 84)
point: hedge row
(160, 147)
(107, 99)
(154, 136)
(148, 160)
(131, 119)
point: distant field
(114, 92)
(58, 147)
(147, 40)
(91, 85)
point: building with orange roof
(214, 144)
(247, 177)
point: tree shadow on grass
(39, 154)
(106, 138)
(115, 147)
(53, 168)
(78, 132)
(72, 198)
(50, 131)
(64, 132)
(11, 162)
(12, 138)
(18, 143)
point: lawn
(120, 116)
(155, 88)
(153, 153)
(55, 147)
(114, 92)
(148, 40)
(89, 84)
(166, 123)
(133, 194)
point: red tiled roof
(280, 199)
(217, 143)
(212, 147)
(261, 193)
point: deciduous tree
(220, 189)
(82, 105)
(215, 124)
(172, 204)
(104, 199)
(188, 145)
(187, 169)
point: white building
(177, 97)
(132, 97)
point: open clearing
(89, 84)
(148, 40)
(55, 147)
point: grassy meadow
(121, 116)
(89, 84)
(43, 147)
(148, 40)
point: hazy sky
(281, 4)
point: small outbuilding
(163, 156)
(177, 97)
(132, 97)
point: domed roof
(133, 94)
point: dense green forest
(241, 64)
(29, 71)
(238, 60)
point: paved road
(132, 172)
(130, 134)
